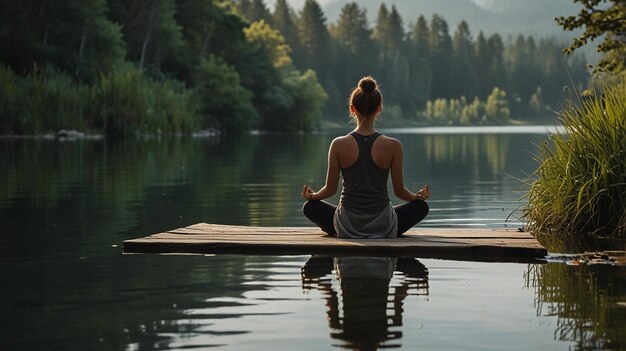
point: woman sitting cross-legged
(364, 158)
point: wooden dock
(493, 245)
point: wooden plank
(468, 244)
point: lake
(66, 207)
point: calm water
(65, 208)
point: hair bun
(367, 84)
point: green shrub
(225, 103)
(41, 101)
(11, 114)
(495, 110)
(118, 103)
(580, 190)
(126, 102)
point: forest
(122, 67)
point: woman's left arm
(332, 177)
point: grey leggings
(321, 213)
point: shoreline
(74, 135)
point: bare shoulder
(342, 141)
(389, 143)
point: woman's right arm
(397, 176)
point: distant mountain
(507, 17)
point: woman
(364, 158)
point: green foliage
(150, 30)
(74, 36)
(118, 103)
(580, 189)
(43, 101)
(174, 39)
(473, 113)
(254, 10)
(497, 107)
(126, 102)
(314, 37)
(285, 99)
(238, 74)
(388, 34)
(208, 28)
(225, 103)
(459, 111)
(600, 21)
(309, 98)
(419, 61)
(353, 45)
(440, 48)
(463, 81)
(262, 37)
(284, 21)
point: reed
(580, 186)
(123, 103)
(119, 103)
(41, 101)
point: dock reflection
(365, 296)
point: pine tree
(419, 38)
(463, 82)
(554, 71)
(482, 63)
(380, 31)
(419, 62)
(396, 32)
(314, 37)
(354, 46)
(388, 34)
(399, 90)
(441, 53)
(283, 20)
(255, 10)
(497, 72)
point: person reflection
(368, 308)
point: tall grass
(118, 103)
(123, 103)
(580, 189)
(43, 100)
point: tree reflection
(588, 301)
(368, 313)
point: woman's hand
(307, 192)
(423, 194)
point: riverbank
(70, 135)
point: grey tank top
(365, 210)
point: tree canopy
(604, 19)
(272, 62)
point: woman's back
(381, 150)
(364, 185)
(364, 207)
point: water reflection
(589, 301)
(365, 312)
(155, 184)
